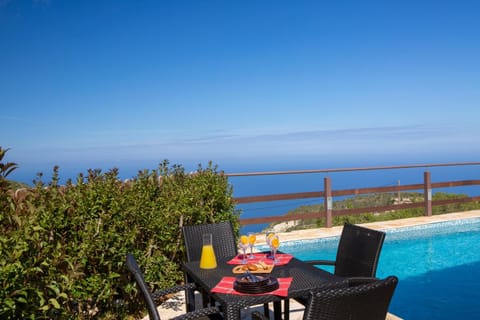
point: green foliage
(63, 248)
(5, 168)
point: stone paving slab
(176, 306)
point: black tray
(267, 285)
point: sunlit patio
(176, 305)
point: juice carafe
(207, 259)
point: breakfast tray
(260, 268)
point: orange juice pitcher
(208, 259)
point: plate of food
(257, 267)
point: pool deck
(176, 306)
(381, 225)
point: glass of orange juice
(268, 238)
(208, 259)
(243, 244)
(275, 243)
(252, 238)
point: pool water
(438, 266)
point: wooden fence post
(327, 201)
(427, 193)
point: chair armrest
(321, 262)
(199, 314)
(258, 316)
(163, 292)
(356, 281)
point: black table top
(305, 278)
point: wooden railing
(327, 194)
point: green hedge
(63, 248)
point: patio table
(305, 278)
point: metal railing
(327, 194)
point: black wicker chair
(357, 255)
(358, 252)
(223, 239)
(224, 245)
(150, 298)
(366, 301)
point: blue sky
(102, 84)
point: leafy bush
(63, 248)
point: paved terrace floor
(176, 305)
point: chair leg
(189, 297)
(205, 299)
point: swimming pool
(438, 265)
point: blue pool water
(438, 266)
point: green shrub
(63, 248)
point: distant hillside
(372, 200)
(14, 185)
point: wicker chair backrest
(223, 238)
(363, 302)
(358, 251)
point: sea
(308, 182)
(300, 182)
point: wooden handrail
(327, 195)
(407, 166)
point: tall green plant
(5, 168)
(5, 201)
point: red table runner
(283, 258)
(226, 286)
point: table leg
(286, 309)
(277, 310)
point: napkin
(283, 258)
(226, 286)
